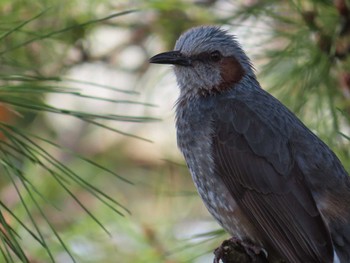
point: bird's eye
(215, 56)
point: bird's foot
(235, 250)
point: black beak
(171, 57)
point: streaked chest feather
(194, 140)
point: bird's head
(207, 60)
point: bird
(263, 175)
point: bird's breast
(194, 137)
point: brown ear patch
(231, 72)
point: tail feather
(340, 233)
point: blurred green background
(90, 170)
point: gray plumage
(261, 173)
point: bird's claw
(235, 250)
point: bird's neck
(190, 93)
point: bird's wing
(255, 162)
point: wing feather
(255, 162)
